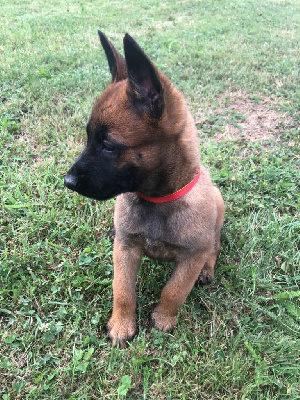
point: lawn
(237, 63)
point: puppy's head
(125, 133)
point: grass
(237, 338)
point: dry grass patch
(244, 117)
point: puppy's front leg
(122, 324)
(178, 287)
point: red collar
(173, 196)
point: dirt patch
(244, 117)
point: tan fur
(186, 230)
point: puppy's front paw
(121, 330)
(163, 322)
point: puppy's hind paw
(206, 275)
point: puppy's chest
(157, 231)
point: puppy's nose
(70, 181)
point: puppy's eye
(108, 146)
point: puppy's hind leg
(207, 272)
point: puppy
(143, 148)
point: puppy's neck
(174, 172)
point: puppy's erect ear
(143, 77)
(116, 61)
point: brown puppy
(143, 147)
